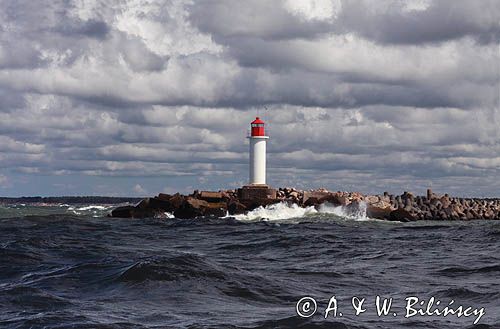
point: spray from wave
(90, 210)
(353, 211)
(277, 211)
(283, 211)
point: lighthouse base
(256, 192)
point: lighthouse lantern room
(258, 141)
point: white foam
(358, 213)
(277, 211)
(93, 207)
(280, 211)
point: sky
(138, 97)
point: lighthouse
(258, 140)
(257, 190)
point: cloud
(387, 21)
(139, 190)
(392, 95)
(4, 181)
(398, 22)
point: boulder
(191, 208)
(164, 205)
(227, 196)
(211, 196)
(123, 212)
(177, 200)
(401, 215)
(378, 212)
(253, 204)
(311, 202)
(429, 194)
(215, 209)
(133, 212)
(143, 204)
(163, 197)
(334, 199)
(236, 208)
(371, 199)
(445, 201)
(408, 196)
(383, 203)
(145, 213)
(313, 194)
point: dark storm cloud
(443, 20)
(260, 18)
(384, 21)
(90, 28)
(360, 94)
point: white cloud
(314, 9)
(139, 190)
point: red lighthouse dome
(258, 127)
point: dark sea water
(71, 267)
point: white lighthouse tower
(258, 140)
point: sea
(70, 266)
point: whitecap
(92, 207)
(356, 213)
(283, 210)
(277, 211)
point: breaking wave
(94, 207)
(92, 210)
(353, 211)
(283, 211)
(277, 211)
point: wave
(166, 214)
(91, 210)
(94, 207)
(230, 281)
(18, 211)
(54, 320)
(164, 268)
(283, 210)
(30, 297)
(465, 293)
(351, 211)
(277, 211)
(14, 261)
(296, 322)
(460, 271)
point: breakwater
(405, 207)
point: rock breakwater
(405, 207)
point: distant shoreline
(69, 200)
